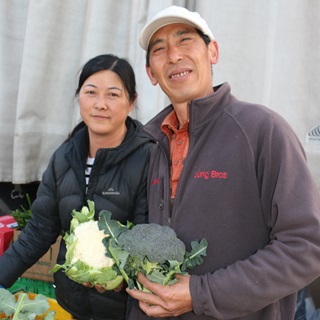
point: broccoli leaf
(194, 258)
(119, 256)
(112, 228)
(148, 266)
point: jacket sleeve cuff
(196, 305)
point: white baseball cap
(173, 14)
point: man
(228, 171)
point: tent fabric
(269, 53)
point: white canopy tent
(269, 53)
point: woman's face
(104, 105)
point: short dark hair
(203, 36)
(110, 62)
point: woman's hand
(101, 289)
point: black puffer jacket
(117, 183)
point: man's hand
(164, 300)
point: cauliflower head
(89, 247)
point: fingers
(149, 285)
(99, 288)
(119, 287)
(145, 299)
(88, 285)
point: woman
(105, 160)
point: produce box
(7, 226)
(33, 286)
(61, 314)
(41, 269)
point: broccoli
(141, 240)
(151, 249)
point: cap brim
(150, 29)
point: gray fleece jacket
(246, 188)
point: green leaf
(7, 302)
(23, 307)
(148, 266)
(50, 316)
(39, 305)
(84, 215)
(194, 258)
(111, 227)
(23, 215)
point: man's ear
(153, 80)
(213, 51)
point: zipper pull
(169, 221)
(161, 204)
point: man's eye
(185, 39)
(157, 50)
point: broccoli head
(141, 240)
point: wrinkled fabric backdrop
(269, 53)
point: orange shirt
(179, 143)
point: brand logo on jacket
(155, 181)
(213, 174)
(111, 191)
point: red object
(7, 226)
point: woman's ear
(133, 102)
(152, 78)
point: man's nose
(174, 54)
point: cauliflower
(89, 247)
(86, 259)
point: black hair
(203, 36)
(113, 63)
(107, 62)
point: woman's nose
(101, 103)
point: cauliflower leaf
(23, 307)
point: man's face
(180, 62)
